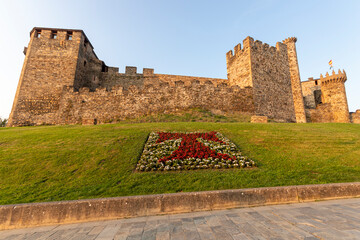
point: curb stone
(50, 213)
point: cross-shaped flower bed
(165, 151)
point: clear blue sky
(187, 37)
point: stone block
(130, 70)
(148, 72)
(259, 119)
(89, 121)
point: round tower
(295, 80)
(333, 92)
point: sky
(187, 37)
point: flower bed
(167, 151)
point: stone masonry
(355, 116)
(64, 82)
(325, 98)
(266, 70)
(295, 80)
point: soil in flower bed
(170, 151)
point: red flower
(190, 147)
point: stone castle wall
(110, 79)
(308, 90)
(158, 93)
(103, 106)
(322, 113)
(64, 82)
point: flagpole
(331, 64)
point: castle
(63, 82)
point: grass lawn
(50, 163)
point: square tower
(267, 71)
(53, 58)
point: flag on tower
(331, 64)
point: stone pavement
(335, 219)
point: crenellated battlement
(58, 34)
(290, 40)
(155, 86)
(250, 45)
(247, 43)
(333, 78)
(132, 71)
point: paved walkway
(336, 219)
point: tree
(3, 122)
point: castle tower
(53, 58)
(295, 80)
(266, 70)
(333, 92)
(239, 64)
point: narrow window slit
(53, 34)
(38, 33)
(69, 35)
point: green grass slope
(51, 163)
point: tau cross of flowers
(190, 147)
(170, 151)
